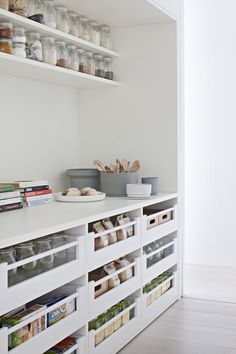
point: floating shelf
(30, 69)
(30, 25)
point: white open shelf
(30, 69)
(44, 30)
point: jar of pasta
(6, 46)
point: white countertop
(33, 222)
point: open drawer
(113, 296)
(50, 336)
(26, 290)
(158, 225)
(96, 258)
(169, 259)
(119, 337)
(159, 299)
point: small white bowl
(139, 190)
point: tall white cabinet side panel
(40, 129)
(171, 6)
(138, 119)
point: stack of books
(33, 193)
(10, 198)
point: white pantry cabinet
(72, 278)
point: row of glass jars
(59, 17)
(22, 251)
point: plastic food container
(139, 190)
(114, 184)
(84, 177)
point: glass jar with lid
(94, 32)
(36, 10)
(105, 33)
(19, 49)
(49, 50)
(19, 7)
(84, 28)
(49, 14)
(62, 55)
(62, 19)
(108, 68)
(23, 251)
(82, 61)
(6, 46)
(73, 23)
(99, 65)
(73, 58)
(90, 63)
(19, 34)
(45, 263)
(4, 4)
(8, 255)
(59, 240)
(34, 48)
(6, 30)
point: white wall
(171, 6)
(39, 128)
(137, 120)
(210, 70)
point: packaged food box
(26, 332)
(62, 346)
(61, 311)
(125, 318)
(96, 275)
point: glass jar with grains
(105, 37)
(82, 61)
(90, 63)
(62, 19)
(6, 46)
(62, 55)
(34, 46)
(99, 65)
(19, 7)
(4, 4)
(19, 35)
(73, 23)
(6, 30)
(94, 32)
(8, 255)
(108, 68)
(19, 49)
(84, 28)
(49, 14)
(49, 50)
(73, 58)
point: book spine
(8, 195)
(29, 184)
(39, 202)
(37, 193)
(10, 207)
(10, 201)
(33, 189)
(38, 197)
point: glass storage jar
(6, 30)
(49, 50)
(34, 48)
(62, 19)
(19, 49)
(49, 14)
(108, 68)
(90, 63)
(8, 255)
(36, 10)
(82, 61)
(84, 28)
(6, 46)
(59, 240)
(99, 65)
(73, 58)
(73, 23)
(19, 7)
(47, 262)
(23, 251)
(62, 55)
(94, 32)
(19, 35)
(105, 34)
(4, 4)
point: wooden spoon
(135, 166)
(99, 165)
(124, 164)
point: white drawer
(113, 296)
(116, 341)
(51, 335)
(149, 273)
(14, 296)
(97, 258)
(162, 229)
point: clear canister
(19, 49)
(62, 19)
(94, 32)
(45, 263)
(84, 28)
(49, 14)
(19, 34)
(73, 23)
(99, 65)
(105, 33)
(19, 7)
(49, 50)
(62, 54)
(6, 46)
(34, 48)
(82, 61)
(73, 58)
(4, 4)
(6, 30)
(36, 10)
(108, 68)
(90, 63)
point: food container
(101, 288)
(108, 68)
(6, 30)
(62, 19)
(84, 177)
(19, 35)
(19, 7)
(36, 10)
(94, 32)
(82, 61)
(84, 28)
(19, 49)
(154, 181)
(34, 46)
(49, 14)
(164, 217)
(139, 190)
(4, 4)
(114, 184)
(62, 54)
(73, 58)
(49, 50)
(73, 23)
(105, 34)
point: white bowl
(139, 190)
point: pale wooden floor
(189, 327)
